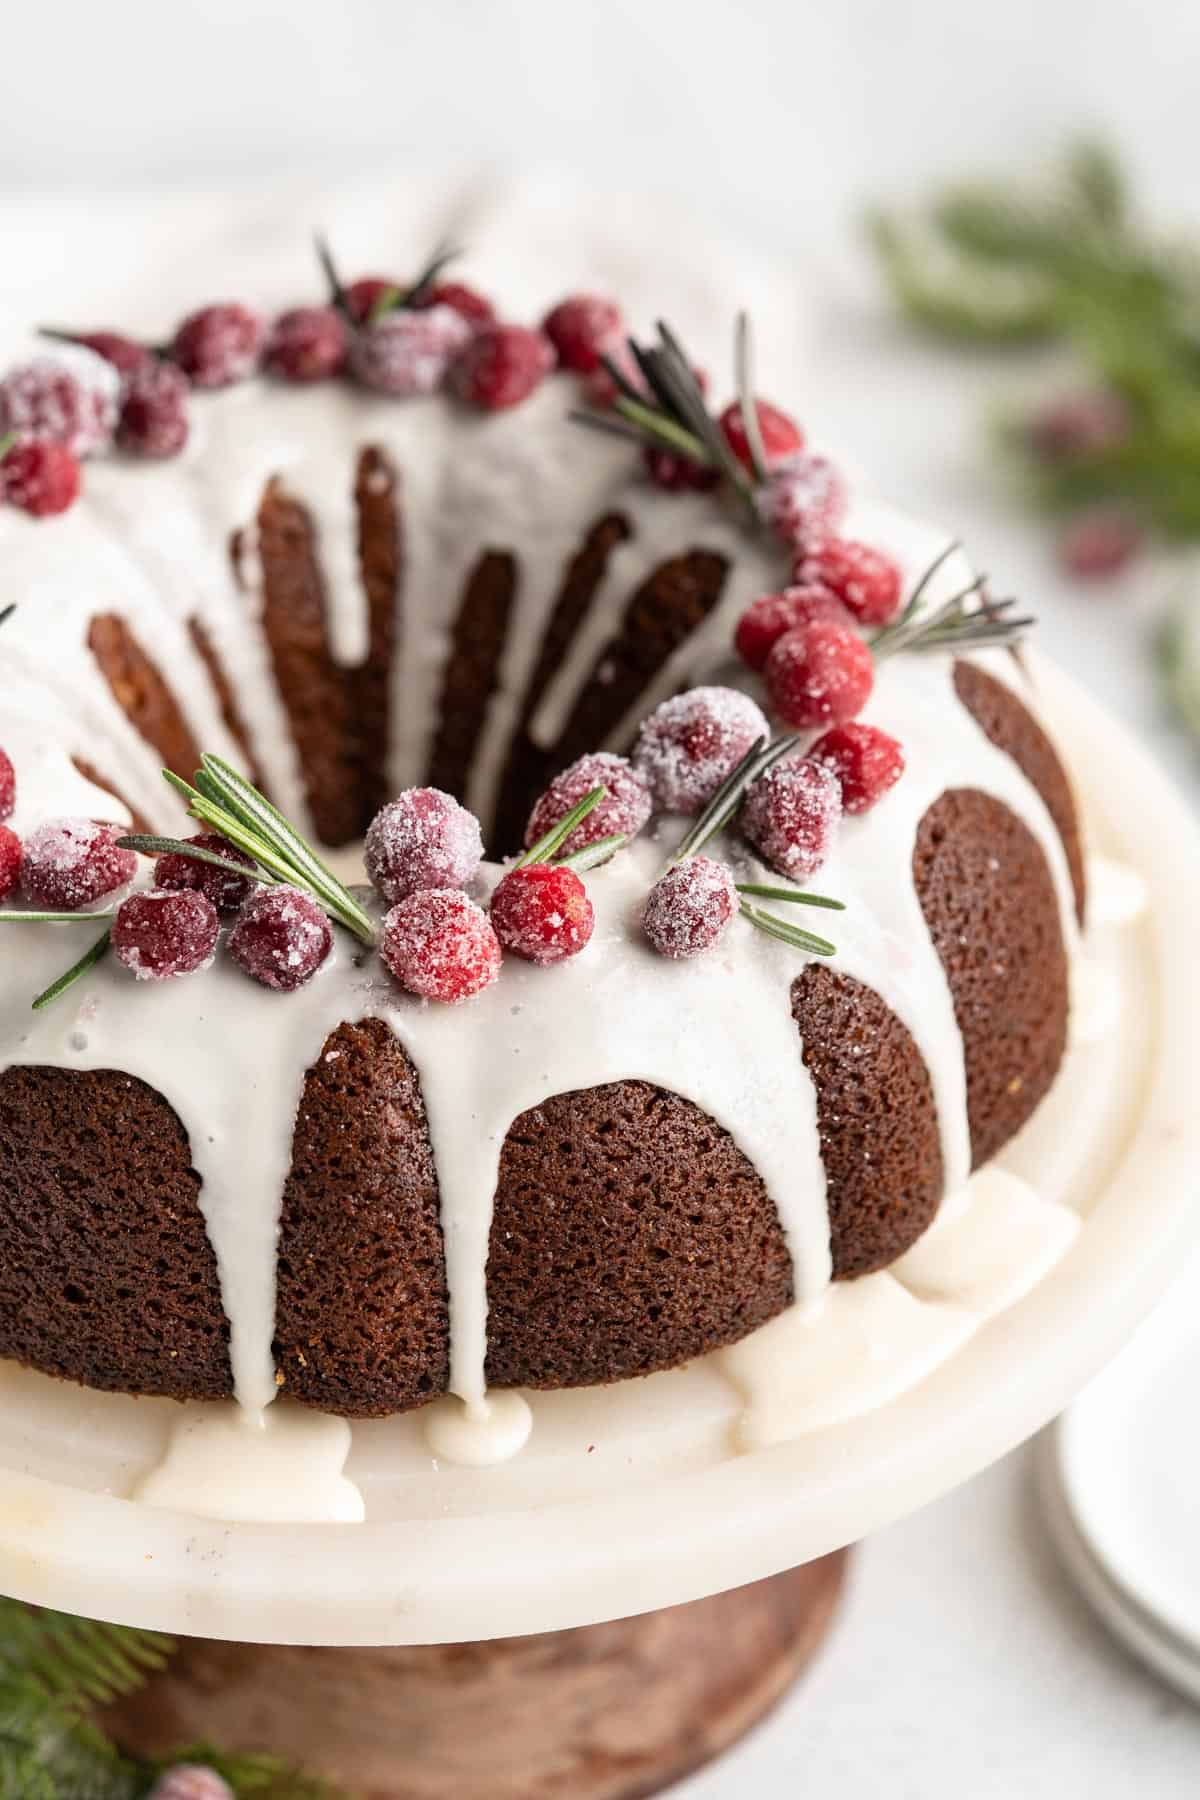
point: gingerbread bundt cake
(392, 562)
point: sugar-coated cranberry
(422, 839)
(583, 328)
(41, 478)
(1100, 541)
(542, 913)
(781, 436)
(692, 741)
(819, 674)
(867, 581)
(440, 945)
(8, 786)
(1078, 425)
(625, 808)
(766, 619)
(281, 937)
(791, 814)
(10, 861)
(71, 862)
(803, 500)
(865, 761)
(162, 933)
(225, 890)
(475, 308)
(307, 343)
(219, 344)
(363, 296)
(68, 397)
(688, 909)
(191, 1781)
(407, 353)
(501, 366)
(599, 387)
(125, 354)
(679, 474)
(154, 411)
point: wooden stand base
(606, 1712)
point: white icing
(1116, 893)
(284, 1469)
(987, 1253)
(480, 1434)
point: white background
(963, 1669)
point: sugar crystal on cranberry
(781, 436)
(409, 352)
(440, 946)
(422, 839)
(790, 816)
(766, 619)
(162, 932)
(226, 890)
(8, 786)
(692, 741)
(803, 499)
(10, 861)
(124, 353)
(819, 673)
(281, 937)
(542, 913)
(688, 909)
(624, 810)
(69, 863)
(867, 581)
(307, 343)
(501, 366)
(219, 345)
(583, 328)
(154, 411)
(67, 397)
(865, 761)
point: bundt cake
(425, 575)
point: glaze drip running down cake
(362, 1200)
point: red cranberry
(766, 619)
(364, 295)
(691, 742)
(865, 761)
(281, 937)
(790, 816)
(68, 398)
(125, 354)
(583, 328)
(423, 839)
(306, 344)
(407, 353)
(154, 411)
(1099, 542)
(41, 478)
(781, 436)
(803, 500)
(689, 908)
(542, 913)
(599, 387)
(159, 934)
(224, 890)
(1078, 425)
(440, 945)
(624, 809)
(865, 580)
(679, 474)
(10, 861)
(501, 366)
(8, 786)
(473, 307)
(191, 1781)
(71, 862)
(219, 344)
(819, 674)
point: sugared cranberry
(865, 580)
(125, 354)
(41, 478)
(475, 308)
(624, 809)
(281, 937)
(219, 344)
(599, 387)
(191, 1781)
(1077, 425)
(692, 741)
(803, 500)
(781, 436)
(819, 674)
(583, 328)
(154, 411)
(10, 861)
(423, 839)
(865, 761)
(407, 353)
(440, 945)
(67, 398)
(225, 890)
(71, 862)
(766, 619)
(363, 296)
(542, 913)
(306, 344)
(688, 909)
(679, 474)
(1099, 542)
(501, 366)
(790, 816)
(160, 933)
(8, 786)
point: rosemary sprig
(148, 845)
(544, 849)
(6, 612)
(765, 892)
(392, 299)
(70, 976)
(956, 625)
(9, 916)
(786, 932)
(592, 855)
(6, 442)
(729, 796)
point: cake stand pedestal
(603, 1712)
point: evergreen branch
(70, 976)
(543, 851)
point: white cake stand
(633, 1498)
